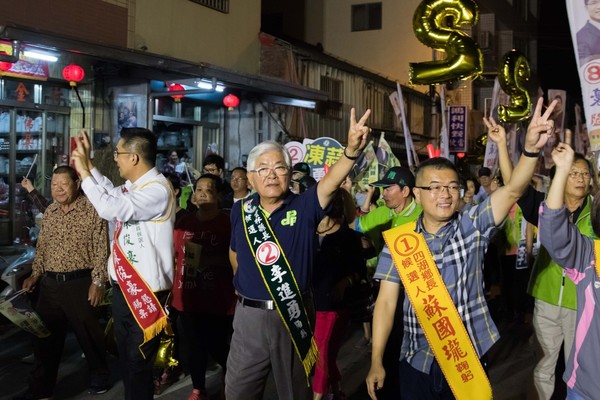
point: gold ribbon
(437, 314)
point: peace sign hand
(540, 128)
(357, 134)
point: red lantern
(5, 66)
(231, 101)
(73, 73)
(176, 87)
(460, 155)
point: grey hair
(265, 147)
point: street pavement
(511, 364)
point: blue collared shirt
(458, 249)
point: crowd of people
(265, 273)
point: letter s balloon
(513, 77)
(464, 58)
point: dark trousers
(415, 384)
(63, 305)
(206, 334)
(136, 362)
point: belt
(68, 276)
(262, 304)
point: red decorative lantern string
(73, 73)
(231, 101)
(176, 87)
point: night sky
(557, 68)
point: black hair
(212, 177)
(214, 159)
(142, 142)
(435, 163)
(239, 169)
(65, 169)
(175, 182)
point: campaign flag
(17, 308)
(367, 171)
(444, 132)
(385, 157)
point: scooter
(20, 269)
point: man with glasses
(239, 183)
(588, 37)
(438, 259)
(272, 248)
(141, 261)
(215, 164)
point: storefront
(180, 101)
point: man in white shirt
(141, 262)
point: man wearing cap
(484, 176)
(300, 169)
(400, 206)
(301, 184)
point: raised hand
(358, 133)
(563, 154)
(496, 133)
(540, 128)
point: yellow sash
(437, 314)
(597, 256)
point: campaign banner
(297, 150)
(385, 157)
(584, 23)
(457, 118)
(321, 154)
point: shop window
(219, 5)
(366, 17)
(334, 88)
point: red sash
(142, 302)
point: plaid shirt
(458, 249)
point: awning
(167, 68)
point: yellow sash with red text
(144, 306)
(437, 314)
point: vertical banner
(584, 22)
(558, 116)
(444, 133)
(397, 101)
(385, 156)
(457, 117)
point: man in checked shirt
(457, 242)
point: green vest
(547, 279)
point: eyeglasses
(437, 189)
(117, 153)
(264, 172)
(579, 174)
(210, 170)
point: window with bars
(366, 17)
(218, 5)
(334, 88)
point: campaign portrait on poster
(584, 24)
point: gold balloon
(164, 357)
(513, 77)
(430, 24)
